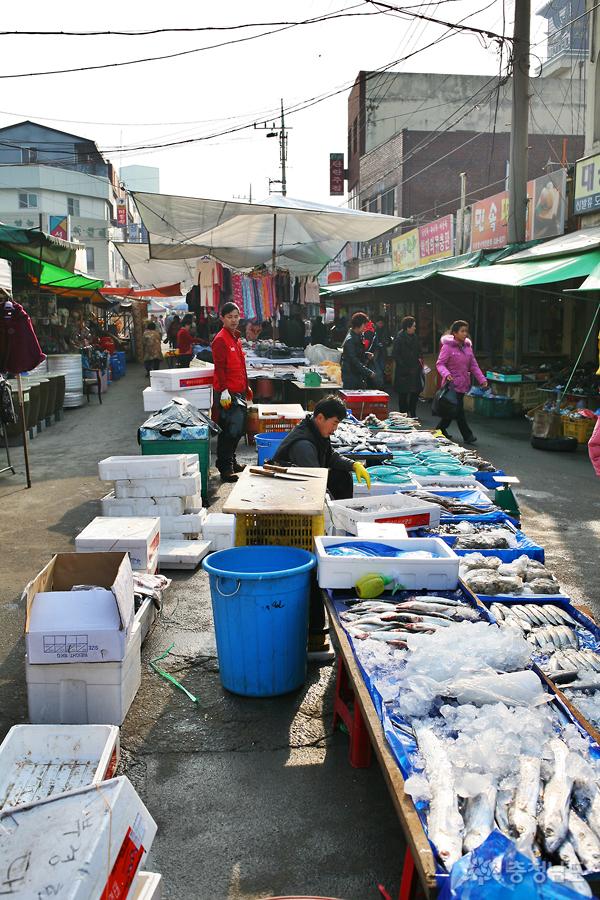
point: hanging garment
(7, 408)
(236, 286)
(19, 347)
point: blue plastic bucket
(122, 360)
(267, 444)
(260, 599)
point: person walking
(151, 347)
(231, 392)
(379, 345)
(408, 376)
(185, 342)
(457, 364)
(356, 374)
(594, 447)
(318, 332)
(173, 326)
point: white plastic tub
(116, 468)
(37, 761)
(439, 573)
(182, 379)
(394, 508)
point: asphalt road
(252, 798)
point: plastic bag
(370, 549)
(522, 688)
(175, 416)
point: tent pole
(24, 430)
(274, 258)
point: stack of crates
(191, 439)
(366, 403)
(280, 529)
(580, 428)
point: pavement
(253, 798)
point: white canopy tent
(157, 273)
(296, 235)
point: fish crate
(581, 429)
(495, 408)
(365, 403)
(199, 448)
(278, 417)
(279, 529)
(396, 509)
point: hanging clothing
(19, 347)
(7, 408)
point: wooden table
(419, 857)
(273, 496)
(308, 396)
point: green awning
(54, 277)
(44, 246)
(529, 274)
(418, 274)
(591, 283)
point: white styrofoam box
(37, 761)
(219, 529)
(117, 468)
(154, 400)
(178, 379)
(438, 573)
(449, 480)
(186, 486)
(177, 526)
(138, 536)
(68, 570)
(378, 488)
(380, 531)
(142, 506)
(75, 626)
(85, 693)
(149, 886)
(398, 508)
(193, 504)
(146, 615)
(180, 554)
(44, 844)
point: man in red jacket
(230, 383)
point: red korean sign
(489, 222)
(436, 240)
(121, 214)
(336, 174)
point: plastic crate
(265, 426)
(495, 409)
(280, 529)
(578, 428)
(366, 403)
(200, 448)
(396, 509)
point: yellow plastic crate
(266, 426)
(283, 530)
(578, 428)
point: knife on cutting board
(268, 473)
(288, 470)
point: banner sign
(405, 250)
(336, 174)
(59, 226)
(546, 204)
(121, 214)
(436, 240)
(587, 185)
(489, 222)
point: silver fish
(523, 813)
(444, 822)
(479, 818)
(568, 857)
(498, 612)
(504, 801)
(585, 842)
(557, 798)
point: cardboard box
(116, 468)
(186, 486)
(66, 570)
(139, 536)
(75, 626)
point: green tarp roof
(417, 274)
(529, 274)
(54, 277)
(44, 246)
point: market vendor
(185, 342)
(308, 445)
(231, 392)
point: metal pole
(274, 258)
(463, 202)
(517, 175)
(283, 151)
(24, 430)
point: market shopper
(457, 364)
(185, 342)
(318, 332)
(308, 445)
(408, 375)
(151, 347)
(356, 374)
(230, 383)
(594, 447)
(379, 345)
(173, 326)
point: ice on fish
(523, 812)
(557, 798)
(522, 688)
(479, 818)
(444, 822)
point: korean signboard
(489, 222)
(436, 240)
(546, 202)
(336, 174)
(405, 250)
(587, 185)
(121, 214)
(59, 226)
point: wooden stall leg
(408, 876)
(347, 709)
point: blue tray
(525, 546)
(588, 632)
(487, 478)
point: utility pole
(517, 174)
(460, 238)
(280, 133)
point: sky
(204, 93)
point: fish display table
(367, 727)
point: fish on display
(584, 842)
(523, 812)
(479, 818)
(557, 798)
(445, 825)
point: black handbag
(445, 402)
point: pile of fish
(578, 668)
(548, 627)
(451, 504)
(489, 575)
(350, 437)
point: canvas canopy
(157, 272)
(529, 274)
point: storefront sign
(121, 214)
(375, 248)
(587, 185)
(546, 203)
(436, 240)
(489, 222)
(59, 226)
(405, 250)
(336, 174)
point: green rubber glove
(362, 474)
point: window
(73, 206)
(387, 202)
(89, 252)
(373, 204)
(28, 201)
(29, 155)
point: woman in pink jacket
(594, 448)
(456, 364)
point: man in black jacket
(308, 446)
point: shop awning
(394, 278)
(529, 274)
(45, 247)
